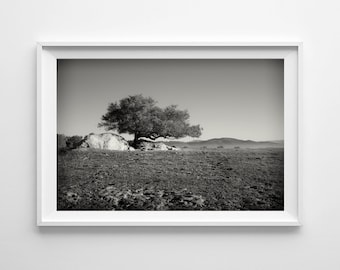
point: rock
(150, 198)
(72, 197)
(108, 141)
(145, 145)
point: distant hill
(226, 143)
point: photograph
(170, 135)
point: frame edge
(38, 139)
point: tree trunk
(135, 140)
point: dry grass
(221, 179)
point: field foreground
(227, 179)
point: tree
(74, 141)
(139, 116)
(61, 141)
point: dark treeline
(68, 142)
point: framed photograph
(168, 134)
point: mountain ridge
(226, 142)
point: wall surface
(315, 245)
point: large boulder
(108, 141)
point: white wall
(316, 245)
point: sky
(234, 98)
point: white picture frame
(47, 55)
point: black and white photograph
(170, 134)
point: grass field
(219, 179)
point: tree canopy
(141, 117)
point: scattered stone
(72, 197)
(151, 199)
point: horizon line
(179, 140)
